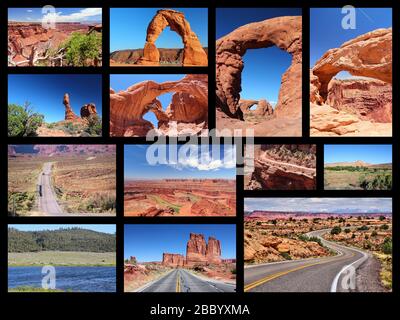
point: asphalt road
(180, 280)
(47, 199)
(328, 274)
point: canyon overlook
(198, 252)
(187, 114)
(285, 119)
(30, 44)
(357, 106)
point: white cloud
(204, 159)
(29, 10)
(82, 15)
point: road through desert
(307, 275)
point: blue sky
(89, 15)
(123, 81)
(147, 242)
(128, 27)
(370, 153)
(334, 205)
(196, 163)
(106, 228)
(263, 68)
(45, 92)
(326, 30)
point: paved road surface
(307, 275)
(47, 199)
(180, 280)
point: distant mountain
(259, 214)
(357, 163)
(69, 239)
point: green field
(61, 258)
(356, 178)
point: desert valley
(190, 187)
(54, 38)
(201, 269)
(343, 170)
(61, 180)
(326, 231)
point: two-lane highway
(48, 204)
(181, 280)
(308, 275)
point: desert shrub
(387, 246)
(23, 121)
(363, 228)
(377, 182)
(347, 230)
(94, 126)
(381, 218)
(70, 128)
(336, 230)
(384, 227)
(286, 255)
(19, 202)
(374, 233)
(100, 203)
(82, 48)
(233, 271)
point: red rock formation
(360, 107)
(69, 114)
(90, 149)
(263, 107)
(193, 52)
(196, 249)
(286, 34)
(87, 110)
(167, 56)
(367, 99)
(213, 252)
(25, 39)
(189, 105)
(173, 260)
(368, 55)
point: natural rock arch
(368, 55)
(189, 104)
(193, 52)
(283, 32)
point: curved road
(181, 280)
(47, 199)
(327, 274)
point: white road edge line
(336, 279)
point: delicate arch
(193, 52)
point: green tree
(336, 230)
(23, 121)
(83, 49)
(387, 246)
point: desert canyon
(232, 112)
(187, 114)
(192, 54)
(30, 44)
(361, 106)
(283, 167)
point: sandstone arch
(189, 104)
(368, 55)
(283, 32)
(193, 52)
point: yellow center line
(178, 283)
(282, 273)
(275, 275)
